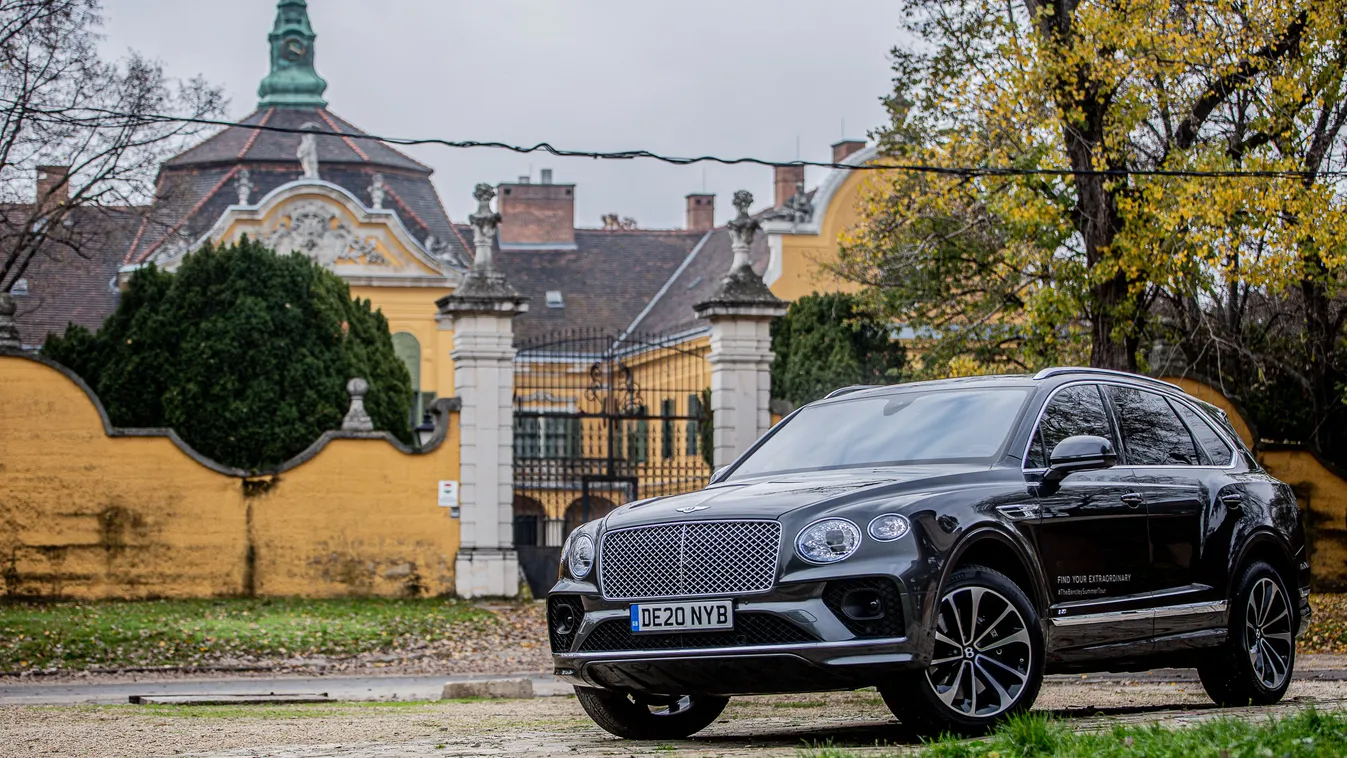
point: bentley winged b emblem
(692, 508)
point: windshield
(935, 426)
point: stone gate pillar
(741, 314)
(482, 310)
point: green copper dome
(293, 81)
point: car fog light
(889, 527)
(564, 619)
(828, 541)
(581, 556)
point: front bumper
(795, 639)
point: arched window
(408, 349)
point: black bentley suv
(949, 543)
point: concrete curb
(488, 688)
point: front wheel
(987, 662)
(649, 717)
(1255, 665)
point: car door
(1090, 533)
(1178, 483)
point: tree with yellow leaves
(1061, 246)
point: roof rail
(1056, 370)
(853, 388)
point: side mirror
(718, 475)
(1080, 453)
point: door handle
(1233, 501)
(1132, 499)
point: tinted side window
(1075, 410)
(1152, 434)
(1218, 452)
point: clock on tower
(292, 82)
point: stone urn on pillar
(481, 312)
(741, 313)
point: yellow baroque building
(611, 373)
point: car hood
(774, 496)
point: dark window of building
(549, 435)
(1151, 432)
(638, 438)
(666, 431)
(694, 431)
(1073, 411)
(527, 437)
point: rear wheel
(1255, 665)
(987, 662)
(649, 717)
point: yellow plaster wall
(412, 310)
(86, 515)
(359, 519)
(1323, 498)
(90, 516)
(804, 257)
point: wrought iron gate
(600, 420)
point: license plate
(698, 616)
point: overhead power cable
(623, 155)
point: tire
(971, 686)
(649, 717)
(1255, 665)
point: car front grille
(696, 559)
(749, 629)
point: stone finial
(741, 288)
(357, 420)
(9, 330)
(485, 223)
(245, 186)
(377, 192)
(484, 288)
(743, 229)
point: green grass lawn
(195, 632)
(1307, 734)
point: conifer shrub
(243, 352)
(826, 341)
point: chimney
(701, 212)
(786, 179)
(537, 215)
(546, 176)
(53, 185)
(846, 147)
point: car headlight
(889, 527)
(828, 541)
(580, 556)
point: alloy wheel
(982, 656)
(1268, 636)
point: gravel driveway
(758, 727)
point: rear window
(1151, 432)
(952, 425)
(1218, 452)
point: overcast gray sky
(683, 77)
